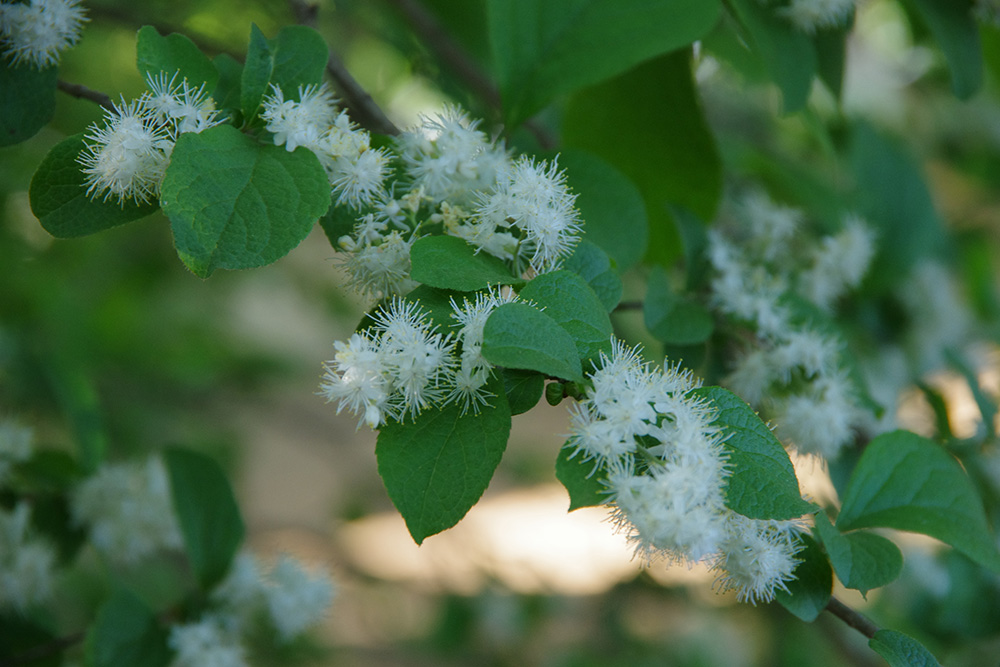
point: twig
(45, 650)
(80, 91)
(853, 618)
(629, 305)
(433, 34)
(363, 108)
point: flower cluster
(288, 598)
(987, 11)
(26, 561)
(792, 369)
(36, 32)
(126, 158)
(127, 511)
(15, 446)
(454, 180)
(401, 364)
(666, 470)
(812, 15)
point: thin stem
(433, 34)
(363, 108)
(629, 305)
(853, 618)
(80, 91)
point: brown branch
(853, 618)
(356, 99)
(45, 650)
(433, 34)
(80, 91)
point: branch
(434, 36)
(80, 91)
(853, 618)
(356, 99)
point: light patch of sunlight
(23, 222)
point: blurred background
(110, 336)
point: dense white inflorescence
(35, 33)
(27, 562)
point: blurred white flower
(26, 562)
(36, 32)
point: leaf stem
(80, 91)
(852, 618)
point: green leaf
(336, 222)
(79, 403)
(862, 560)
(611, 205)
(173, 53)
(907, 482)
(567, 298)
(900, 650)
(582, 481)
(593, 265)
(831, 53)
(786, 52)
(954, 28)
(29, 101)
(227, 92)
(237, 204)
(894, 199)
(20, 635)
(663, 145)
(812, 583)
(694, 236)
(58, 196)
(126, 634)
(436, 468)
(763, 483)
(437, 304)
(207, 511)
(448, 262)
(523, 389)
(544, 49)
(297, 56)
(518, 336)
(671, 318)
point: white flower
(38, 31)
(241, 594)
(820, 421)
(358, 379)
(127, 510)
(533, 200)
(359, 181)
(127, 157)
(26, 562)
(179, 106)
(296, 600)
(474, 371)
(812, 15)
(771, 226)
(839, 263)
(814, 353)
(757, 557)
(302, 122)
(210, 642)
(381, 268)
(15, 445)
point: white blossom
(757, 557)
(127, 510)
(26, 562)
(839, 263)
(36, 32)
(379, 268)
(209, 642)
(812, 15)
(296, 599)
(302, 122)
(474, 370)
(178, 105)
(820, 420)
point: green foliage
(544, 49)
(235, 204)
(567, 298)
(126, 634)
(59, 200)
(785, 52)
(29, 101)
(663, 145)
(593, 265)
(297, 56)
(900, 650)
(519, 336)
(174, 53)
(523, 388)
(438, 466)
(810, 589)
(611, 205)
(907, 482)
(861, 559)
(207, 512)
(672, 318)
(763, 483)
(581, 479)
(956, 32)
(448, 262)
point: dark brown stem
(82, 92)
(853, 618)
(433, 34)
(41, 651)
(629, 305)
(355, 99)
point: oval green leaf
(237, 204)
(812, 583)
(518, 336)
(297, 56)
(29, 101)
(583, 483)
(524, 389)
(862, 560)
(901, 650)
(763, 483)
(593, 265)
(907, 482)
(173, 53)
(448, 262)
(126, 634)
(671, 318)
(567, 298)
(437, 467)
